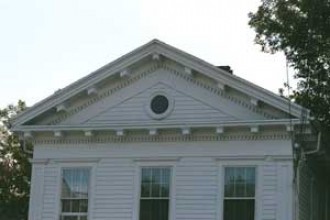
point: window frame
(221, 185)
(224, 198)
(172, 191)
(90, 168)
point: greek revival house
(159, 134)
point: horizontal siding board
(114, 190)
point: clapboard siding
(50, 192)
(37, 183)
(114, 190)
(192, 104)
(187, 109)
(196, 189)
(268, 174)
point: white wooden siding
(36, 192)
(114, 190)
(51, 193)
(196, 189)
(196, 185)
(269, 191)
(186, 109)
(192, 104)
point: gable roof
(159, 48)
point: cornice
(169, 52)
(160, 138)
(213, 89)
(142, 74)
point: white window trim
(221, 177)
(91, 167)
(137, 186)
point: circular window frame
(163, 115)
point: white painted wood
(153, 132)
(269, 191)
(120, 132)
(124, 73)
(58, 134)
(114, 189)
(186, 131)
(254, 101)
(92, 90)
(156, 56)
(192, 105)
(196, 177)
(197, 174)
(188, 70)
(212, 149)
(254, 129)
(196, 189)
(89, 133)
(36, 192)
(221, 86)
(50, 204)
(219, 130)
(290, 128)
(28, 134)
(173, 54)
(61, 107)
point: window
(155, 193)
(239, 193)
(74, 195)
(159, 104)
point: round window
(159, 104)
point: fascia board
(233, 81)
(84, 83)
(155, 126)
(171, 53)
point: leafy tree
(15, 169)
(300, 29)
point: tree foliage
(300, 29)
(15, 169)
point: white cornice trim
(161, 138)
(75, 160)
(159, 125)
(254, 157)
(148, 49)
(157, 159)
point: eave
(162, 125)
(161, 49)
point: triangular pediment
(118, 93)
(191, 104)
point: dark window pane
(151, 209)
(75, 183)
(229, 182)
(238, 209)
(80, 205)
(146, 182)
(155, 191)
(159, 104)
(165, 182)
(239, 182)
(250, 182)
(69, 218)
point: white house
(159, 134)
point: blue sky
(47, 44)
